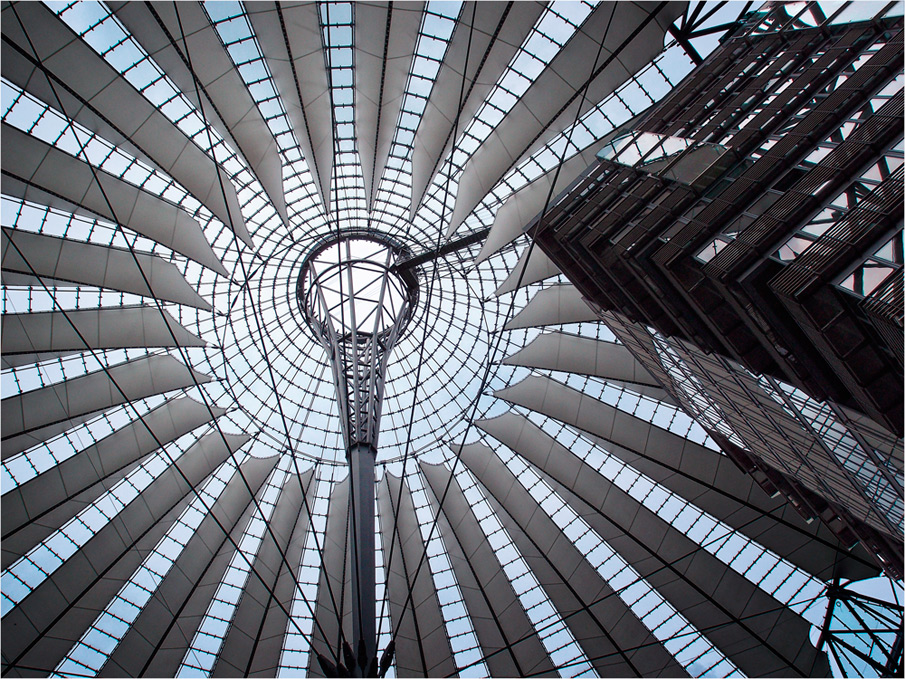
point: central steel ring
(349, 286)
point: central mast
(358, 308)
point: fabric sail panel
(758, 633)
(60, 259)
(555, 305)
(30, 535)
(533, 266)
(51, 647)
(67, 74)
(44, 174)
(583, 355)
(289, 37)
(333, 610)
(521, 208)
(165, 46)
(83, 330)
(509, 643)
(615, 641)
(565, 352)
(27, 416)
(179, 638)
(266, 659)
(198, 44)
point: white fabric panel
(384, 45)
(115, 109)
(26, 416)
(736, 500)
(422, 645)
(156, 642)
(760, 635)
(74, 622)
(334, 604)
(165, 46)
(614, 639)
(539, 268)
(46, 175)
(554, 305)
(27, 280)
(306, 49)
(15, 360)
(705, 477)
(520, 209)
(220, 79)
(550, 105)
(301, 79)
(508, 640)
(487, 56)
(43, 504)
(14, 446)
(241, 642)
(62, 259)
(37, 614)
(134, 326)
(585, 356)
(266, 659)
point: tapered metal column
(364, 611)
(358, 306)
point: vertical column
(361, 537)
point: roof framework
(175, 493)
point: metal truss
(358, 307)
(862, 633)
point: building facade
(744, 240)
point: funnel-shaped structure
(358, 306)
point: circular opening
(349, 288)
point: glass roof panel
(269, 371)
